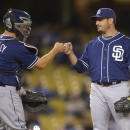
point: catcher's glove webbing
(123, 105)
(33, 101)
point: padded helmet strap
(12, 21)
(10, 11)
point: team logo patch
(118, 53)
(99, 11)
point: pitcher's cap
(104, 13)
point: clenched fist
(59, 47)
(68, 49)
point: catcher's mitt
(33, 101)
(123, 105)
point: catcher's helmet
(18, 22)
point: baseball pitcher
(108, 57)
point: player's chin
(99, 30)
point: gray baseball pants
(102, 105)
(11, 109)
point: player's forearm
(73, 59)
(46, 59)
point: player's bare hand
(59, 47)
(68, 48)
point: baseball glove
(33, 101)
(123, 105)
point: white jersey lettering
(2, 48)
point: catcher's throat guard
(33, 101)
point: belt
(1, 85)
(10, 86)
(6, 73)
(106, 84)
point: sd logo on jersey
(118, 53)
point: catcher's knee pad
(95, 129)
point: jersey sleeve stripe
(85, 64)
(35, 61)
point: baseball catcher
(15, 55)
(33, 101)
(123, 105)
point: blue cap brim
(94, 17)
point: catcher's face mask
(18, 22)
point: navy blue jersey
(108, 59)
(14, 55)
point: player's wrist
(55, 50)
(70, 54)
(22, 91)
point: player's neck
(110, 33)
(7, 33)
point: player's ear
(111, 20)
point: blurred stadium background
(67, 91)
